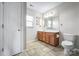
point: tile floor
(38, 48)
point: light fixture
(49, 14)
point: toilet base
(68, 52)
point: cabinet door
(41, 35)
(12, 30)
(1, 31)
(38, 35)
(44, 36)
(47, 37)
(52, 38)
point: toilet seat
(67, 44)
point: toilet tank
(69, 37)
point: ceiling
(42, 6)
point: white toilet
(68, 43)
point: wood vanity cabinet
(48, 37)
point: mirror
(52, 23)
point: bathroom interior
(55, 27)
(39, 28)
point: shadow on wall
(61, 38)
(77, 42)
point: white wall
(31, 32)
(1, 30)
(69, 18)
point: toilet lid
(67, 43)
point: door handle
(19, 30)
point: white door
(12, 17)
(1, 31)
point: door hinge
(2, 25)
(2, 49)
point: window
(29, 21)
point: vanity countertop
(50, 31)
